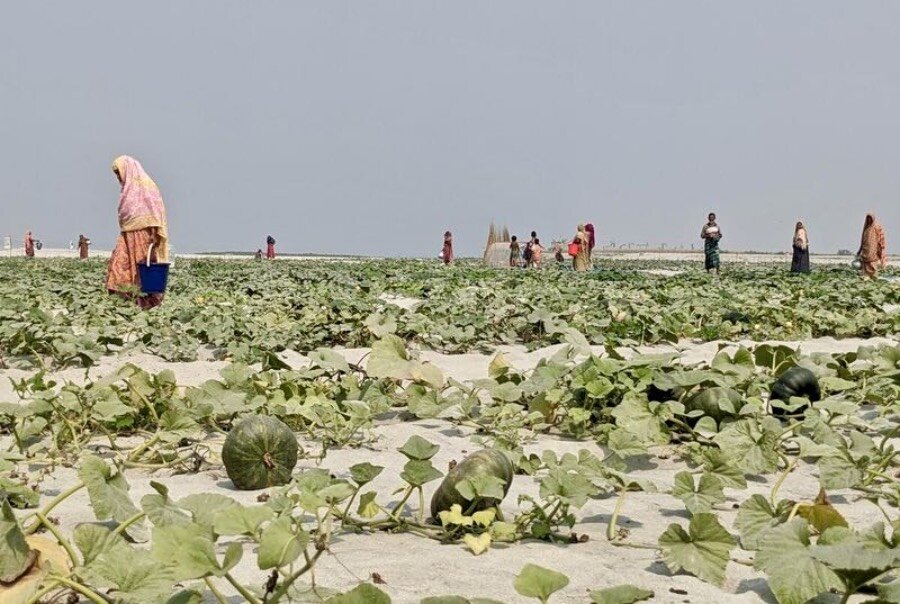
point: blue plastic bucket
(154, 276)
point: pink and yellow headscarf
(140, 204)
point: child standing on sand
(515, 253)
(537, 251)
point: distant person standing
(581, 261)
(537, 252)
(711, 234)
(515, 252)
(589, 230)
(29, 245)
(83, 244)
(872, 249)
(558, 252)
(143, 230)
(270, 248)
(528, 254)
(447, 250)
(800, 261)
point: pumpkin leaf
(535, 581)
(187, 549)
(417, 472)
(204, 507)
(280, 544)
(364, 473)
(478, 544)
(481, 487)
(754, 443)
(94, 540)
(16, 556)
(484, 517)
(160, 509)
(367, 506)
(241, 520)
(703, 550)
(717, 463)
(364, 593)
(795, 576)
(700, 497)
(417, 448)
(108, 492)
(454, 517)
(620, 594)
(821, 514)
(756, 516)
(134, 577)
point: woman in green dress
(711, 234)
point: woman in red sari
(270, 248)
(142, 224)
(447, 252)
(29, 245)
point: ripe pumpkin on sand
(260, 452)
(486, 462)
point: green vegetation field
(762, 472)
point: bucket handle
(149, 250)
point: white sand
(414, 567)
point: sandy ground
(414, 567)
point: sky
(371, 127)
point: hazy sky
(372, 126)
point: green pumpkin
(259, 452)
(662, 394)
(486, 462)
(796, 381)
(708, 399)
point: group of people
(143, 238)
(532, 253)
(529, 256)
(871, 256)
(270, 249)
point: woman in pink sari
(447, 251)
(592, 240)
(143, 229)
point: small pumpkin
(260, 452)
(708, 401)
(796, 381)
(486, 462)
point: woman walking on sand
(800, 261)
(143, 229)
(447, 251)
(270, 248)
(29, 245)
(581, 262)
(872, 249)
(711, 234)
(83, 244)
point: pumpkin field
(400, 431)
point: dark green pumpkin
(796, 381)
(658, 394)
(486, 462)
(259, 452)
(707, 401)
